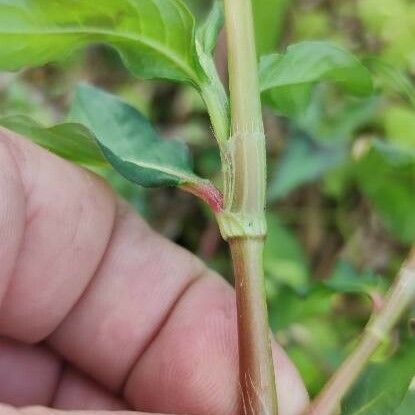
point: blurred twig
(398, 299)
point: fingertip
(293, 398)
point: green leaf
(408, 404)
(303, 161)
(397, 78)
(318, 142)
(103, 132)
(327, 121)
(71, 141)
(383, 386)
(284, 259)
(209, 31)
(155, 38)
(346, 279)
(386, 175)
(129, 142)
(287, 80)
(288, 306)
(77, 144)
(269, 21)
(400, 125)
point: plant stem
(256, 369)
(397, 300)
(242, 220)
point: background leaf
(383, 386)
(155, 38)
(304, 160)
(287, 80)
(284, 259)
(400, 126)
(386, 175)
(397, 78)
(269, 21)
(346, 279)
(318, 142)
(408, 404)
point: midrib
(172, 172)
(141, 39)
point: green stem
(245, 182)
(398, 299)
(242, 221)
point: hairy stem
(398, 299)
(256, 369)
(242, 220)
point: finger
(67, 217)
(192, 365)
(292, 395)
(78, 392)
(33, 375)
(12, 215)
(28, 374)
(139, 281)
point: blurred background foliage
(341, 176)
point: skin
(100, 313)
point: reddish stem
(207, 192)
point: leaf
(289, 306)
(155, 38)
(287, 81)
(269, 21)
(386, 175)
(383, 386)
(76, 143)
(348, 280)
(318, 142)
(129, 142)
(71, 141)
(392, 24)
(327, 121)
(397, 78)
(303, 161)
(209, 31)
(408, 404)
(284, 259)
(124, 139)
(400, 126)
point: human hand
(98, 312)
